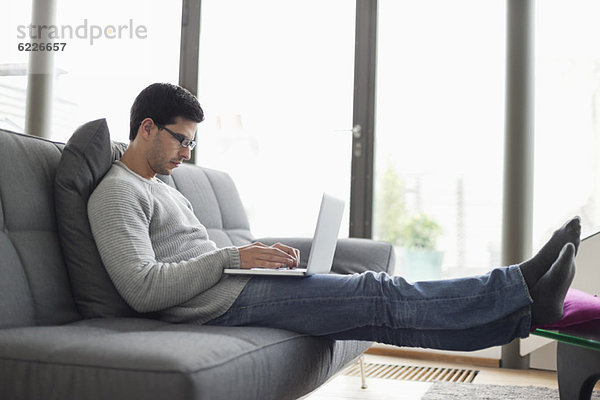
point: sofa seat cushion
(125, 358)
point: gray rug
(449, 391)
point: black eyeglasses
(185, 142)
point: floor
(348, 387)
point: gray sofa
(53, 347)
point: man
(161, 259)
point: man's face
(166, 153)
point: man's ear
(146, 128)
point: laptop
(323, 246)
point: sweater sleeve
(120, 218)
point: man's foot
(549, 292)
(537, 266)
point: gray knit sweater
(157, 253)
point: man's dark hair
(163, 102)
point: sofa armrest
(352, 255)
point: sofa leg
(363, 378)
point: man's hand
(259, 255)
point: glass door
(567, 110)
(439, 135)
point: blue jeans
(455, 314)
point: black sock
(537, 266)
(549, 292)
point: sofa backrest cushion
(216, 203)
(34, 286)
(86, 158)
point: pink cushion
(580, 309)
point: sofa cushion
(86, 158)
(128, 358)
(34, 287)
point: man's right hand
(259, 255)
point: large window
(101, 78)
(567, 99)
(439, 135)
(276, 84)
(13, 65)
(112, 50)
